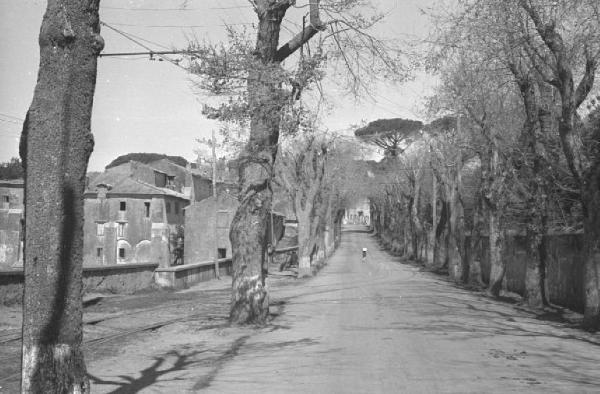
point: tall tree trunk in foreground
(55, 147)
(249, 299)
(250, 303)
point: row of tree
(516, 150)
(56, 143)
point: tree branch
(587, 81)
(304, 36)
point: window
(99, 229)
(122, 206)
(98, 252)
(99, 255)
(147, 209)
(6, 198)
(168, 207)
(160, 179)
(121, 253)
(222, 252)
(121, 230)
(176, 208)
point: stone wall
(564, 268)
(118, 279)
(184, 276)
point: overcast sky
(149, 106)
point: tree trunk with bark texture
(494, 213)
(497, 264)
(430, 253)
(55, 147)
(305, 243)
(249, 300)
(440, 247)
(473, 249)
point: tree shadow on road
(150, 375)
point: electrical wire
(127, 36)
(185, 26)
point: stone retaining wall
(183, 276)
(119, 279)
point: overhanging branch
(304, 36)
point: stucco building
(132, 214)
(205, 220)
(11, 230)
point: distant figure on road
(364, 255)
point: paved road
(375, 327)
(386, 327)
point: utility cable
(142, 45)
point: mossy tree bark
(55, 147)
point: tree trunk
(416, 225)
(473, 249)
(440, 247)
(249, 300)
(55, 147)
(305, 246)
(432, 237)
(497, 264)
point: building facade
(11, 227)
(205, 220)
(132, 215)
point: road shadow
(150, 375)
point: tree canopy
(392, 135)
(146, 158)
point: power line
(150, 52)
(127, 36)
(12, 117)
(148, 41)
(185, 26)
(176, 9)
(10, 121)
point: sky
(151, 106)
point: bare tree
(55, 147)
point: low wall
(11, 286)
(564, 268)
(119, 279)
(186, 275)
